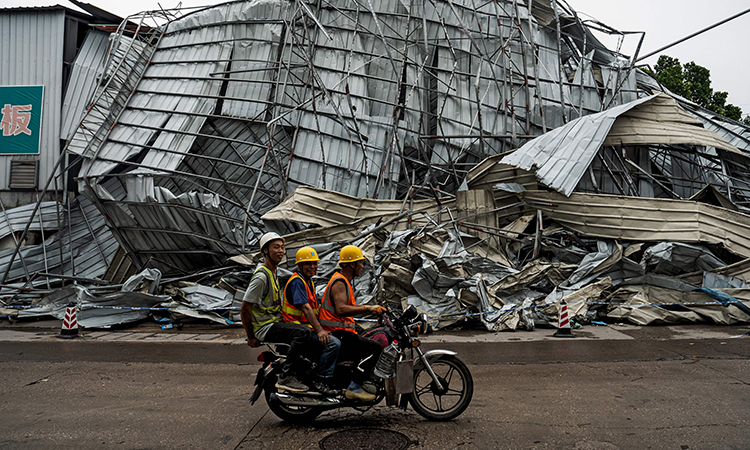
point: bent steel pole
(694, 34)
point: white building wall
(31, 54)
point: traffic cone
(70, 323)
(563, 326)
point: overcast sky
(723, 50)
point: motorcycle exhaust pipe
(296, 400)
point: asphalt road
(648, 390)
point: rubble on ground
(480, 197)
(513, 278)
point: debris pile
(503, 277)
(517, 274)
(491, 161)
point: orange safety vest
(289, 311)
(329, 320)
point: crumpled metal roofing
(242, 102)
(736, 134)
(96, 311)
(14, 220)
(326, 208)
(202, 297)
(125, 57)
(645, 219)
(83, 247)
(662, 121)
(84, 73)
(561, 157)
(183, 157)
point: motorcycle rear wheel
(447, 403)
(290, 413)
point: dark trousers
(357, 348)
(294, 334)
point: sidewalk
(208, 333)
(146, 331)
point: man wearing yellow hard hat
(300, 305)
(336, 316)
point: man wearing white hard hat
(261, 313)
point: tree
(693, 82)
(698, 84)
(669, 73)
(735, 113)
(718, 103)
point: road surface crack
(41, 380)
(251, 430)
(725, 374)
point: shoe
(370, 387)
(291, 384)
(323, 388)
(363, 396)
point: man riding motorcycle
(336, 316)
(437, 383)
(261, 313)
(300, 305)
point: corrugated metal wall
(88, 64)
(31, 54)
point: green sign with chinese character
(20, 119)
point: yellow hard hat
(306, 254)
(350, 253)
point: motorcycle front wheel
(290, 413)
(449, 401)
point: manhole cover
(365, 439)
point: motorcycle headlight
(423, 323)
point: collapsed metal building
(203, 124)
(202, 128)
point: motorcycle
(437, 384)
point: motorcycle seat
(279, 348)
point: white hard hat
(268, 237)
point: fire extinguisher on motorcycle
(436, 383)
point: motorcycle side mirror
(409, 314)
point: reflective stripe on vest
(290, 312)
(270, 308)
(329, 320)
